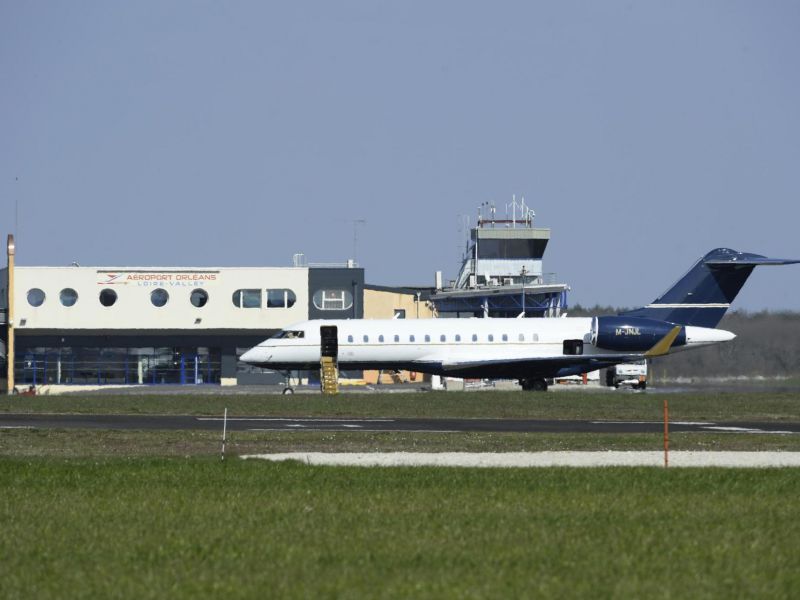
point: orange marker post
(666, 433)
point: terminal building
(155, 325)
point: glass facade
(511, 249)
(198, 298)
(333, 299)
(102, 366)
(281, 298)
(247, 298)
(159, 297)
(108, 297)
(35, 297)
(68, 297)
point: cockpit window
(289, 334)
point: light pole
(10, 316)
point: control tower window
(511, 249)
(108, 297)
(198, 298)
(68, 297)
(280, 298)
(332, 299)
(247, 298)
(159, 297)
(36, 297)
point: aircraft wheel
(287, 391)
(642, 385)
(539, 385)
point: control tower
(502, 274)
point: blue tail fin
(703, 295)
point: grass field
(152, 514)
(92, 443)
(720, 406)
(155, 528)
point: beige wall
(382, 304)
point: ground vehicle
(633, 374)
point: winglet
(663, 345)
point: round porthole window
(198, 298)
(68, 297)
(108, 297)
(35, 297)
(159, 297)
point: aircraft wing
(537, 367)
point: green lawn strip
(179, 528)
(719, 406)
(95, 443)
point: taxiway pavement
(288, 423)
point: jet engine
(631, 334)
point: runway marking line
(299, 420)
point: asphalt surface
(185, 422)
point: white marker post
(224, 431)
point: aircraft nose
(251, 356)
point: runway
(187, 422)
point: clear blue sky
(238, 133)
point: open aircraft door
(329, 353)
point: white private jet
(530, 350)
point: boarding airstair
(329, 363)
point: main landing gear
(287, 382)
(533, 385)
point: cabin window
(491, 337)
(427, 338)
(380, 338)
(505, 337)
(411, 338)
(521, 337)
(247, 298)
(159, 297)
(35, 297)
(366, 339)
(443, 338)
(458, 337)
(198, 298)
(535, 337)
(474, 337)
(68, 297)
(332, 299)
(397, 338)
(281, 298)
(289, 334)
(350, 339)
